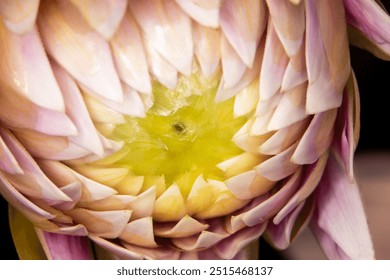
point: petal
(129, 55)
(347, 125)
(33, 117)
(327, 54)
(284, 138)
(18, 15)
(279, 166)
(8, 162)
(116, 249)
(232, 66)
(267, 208)
(232, 245)
(27, 72)
(207, 48)
(289, 23)
(311, 177)
(107, 224)
(168, 29)
(78, 49)
(284, 233)
(139, 232)
(56, 147)
(170, 205)
(104, 16)
(295, 73)
(187, 226)
(160, 253)
(64, 247)
(246, 100)
(132, 104)
(274, 64)
(291, 108)
(163, 71)
(340, 215)
(206, 239)
(78, 112)
(316, 139)
(143, 205)
(249, 185)
(26, 242)
(369, 18)
(243, 23)
(205, 12)
(31, 211)
(250, 74)
(33, 182)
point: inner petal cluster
(184, 144)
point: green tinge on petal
(185, 133)
(25, 239)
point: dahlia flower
(182, 129)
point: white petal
(104, 16)
(168, 29)
(78, 49)
(129, 55)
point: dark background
(373, 76)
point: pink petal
(317, 138)
(26, 71)
(284, 138)
(327, 54)
(106, 224)
(33, 182)
(311, 176)
(347, 125)
(116, 249)
(291, 108)
(205, 12)
(163, 71)
(206, 239)
(243, 23)
(18, 15)
(56, 147)
(207, 49)
(160, 253)
(232, 66)
(249, 76)
(8, 162)
(274, 64)
(168, 29)
(265, 209)
(78, 48)
(279, 166)
(232, 245)
(64, 247)
(340, 215)
(78, 112)
(295, 73)
(282, 235)
(187, 226)
(129, 55)
(104, 16)
(34, 213)
(289, 23)
(371, 19)
(139, 232)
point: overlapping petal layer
(182, 129)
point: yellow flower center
(177, 149)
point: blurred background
(372, 166)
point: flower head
(182, 129)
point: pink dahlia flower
(182, 129)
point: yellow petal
(25, 239)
